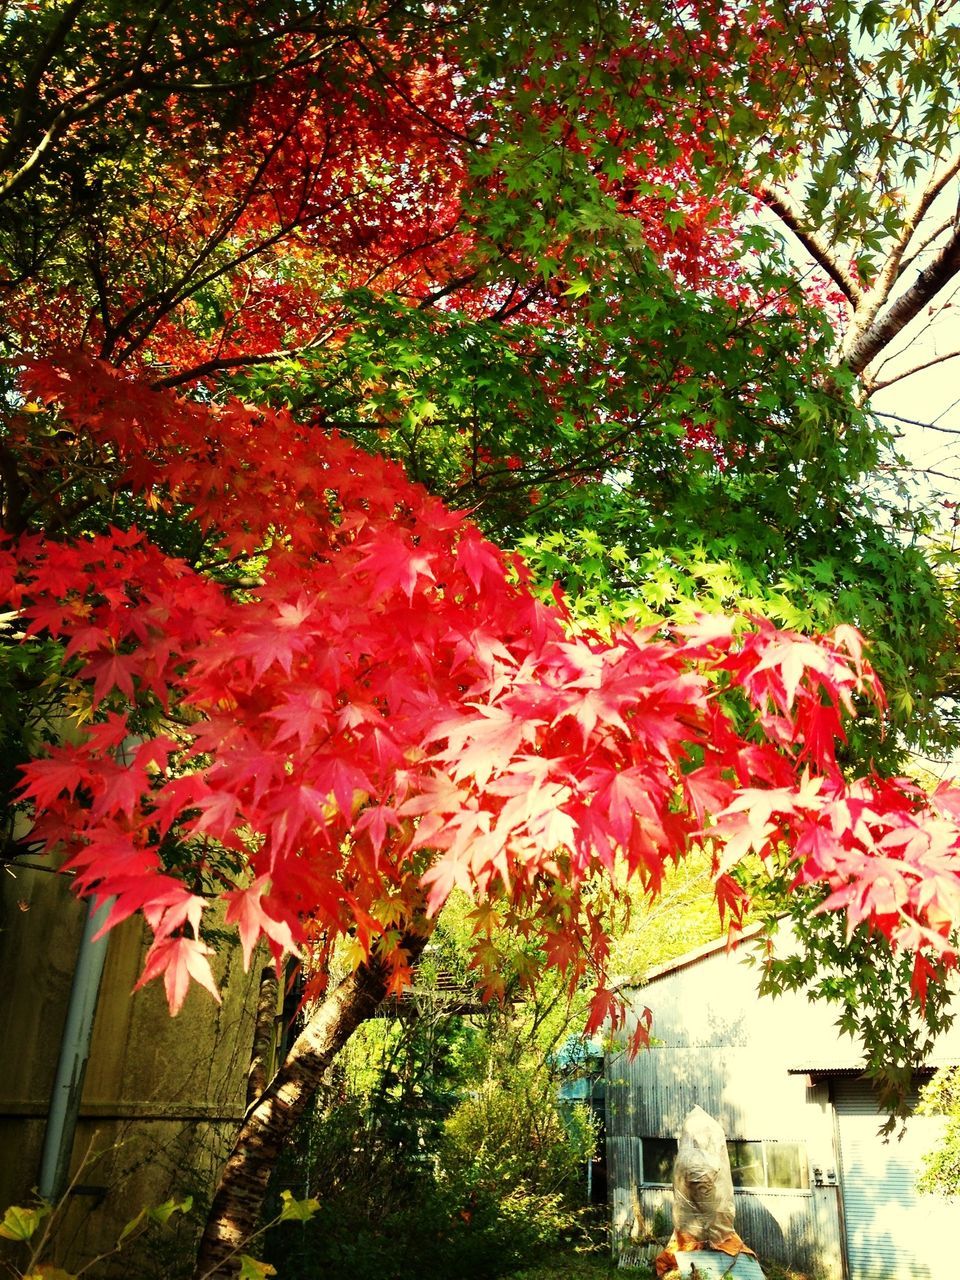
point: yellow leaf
(251, 1269)
(20, 1224)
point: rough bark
(263, 1053)
(867, 339)
(235, 1213)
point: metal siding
(779, 1226)
(719, 1046)
(891, 1230)
(753, 1098)
(746, 1089)
(793, 1229)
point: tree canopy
(300, 303)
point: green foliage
(941, 1166)
(569, 1265)
(671, 452)
(389, 1207)
(874, 77)
(36, 1228)
(506, 1142)
(441, 1149)
(859, 973)
(683, 916)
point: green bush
(507, 1144)
(497, 1188)
(941, 1166)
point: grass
(571, 1265)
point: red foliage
(389, 711)
(360, 704)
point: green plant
(33, 1231)
(403, 1191)
(941, 1166)
(34, 1227)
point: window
(746, 1163)
(787, 1165)
(769, 1164)
(753, 1164)
(658, 1157)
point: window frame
(803, 1187)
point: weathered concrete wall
(162, 1096)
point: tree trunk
(235, 1213)
(264, 1036)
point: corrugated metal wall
(891, 1230)
(724, 1049)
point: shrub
(496, 1189)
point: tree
(300, 682)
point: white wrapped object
(702, 1185)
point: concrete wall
(162, 1097)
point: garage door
(892, 1232)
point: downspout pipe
(74, 1053)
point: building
(817, 1187)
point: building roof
(727, 943)
(836, 1060)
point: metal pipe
(74, 1052)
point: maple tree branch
(272, 1115)
(187, 285)
(814, 244)
(430, 242)
(100, 287)
(925, 243)
(130, 79)
(221, 364)
(411, 103)
(515, 305)
(167, 299)
(33, 77)
(458, 282)
(917, 368)
(925, 471)
(865, 341)
(915, 422)
(922, 205)
(868, 335)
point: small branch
(914, 422)
(222, 364)
(131, 79)
(414, 106)
(817, 248)
(908, 373)
(925, 243)
(923, 471)
(32, 81)
(869, 334)
(920, 208)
